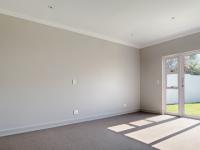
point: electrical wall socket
(158, 82)
(75, 112)
(124, 105)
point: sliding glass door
(192, 84)
(181, 80)
(171, 86)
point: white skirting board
(48, 125)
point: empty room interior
(99, 75)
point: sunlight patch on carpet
(141, 122)
(154, 133)
(188, 140)
(120, 128)
(160, 118)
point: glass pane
(192, 85)
(172, 80)
(172, 65)
(172, 100)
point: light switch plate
(74, 81)
(75, 112)
(125, 105)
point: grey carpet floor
(92, 135)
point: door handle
(182, 82)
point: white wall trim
(48, 125)
(170, 38)
(65, 27)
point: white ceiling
(138, 23)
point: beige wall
(151, 68)
(37, 65)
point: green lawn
(190, 109)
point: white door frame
(181, 88)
